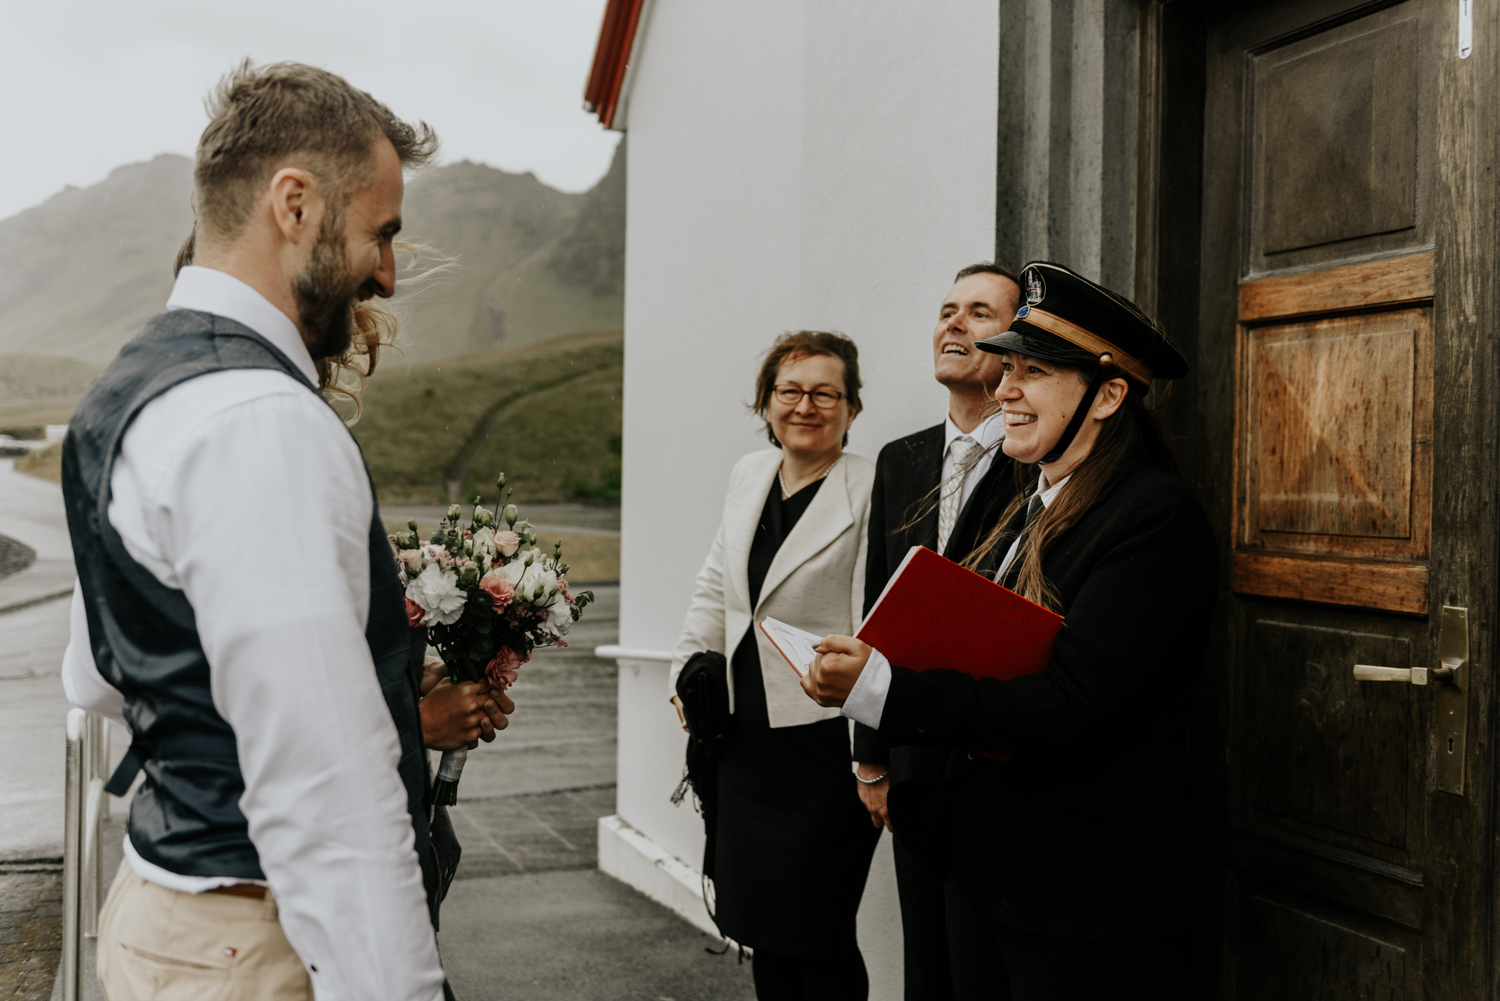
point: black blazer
(1087, 833)
(906, 472)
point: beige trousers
(157, 944)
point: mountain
(532, 262)
(81, 272)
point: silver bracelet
(870, 782)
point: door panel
(1337, 752)
(1299, 950)
(1345, 432)
(1340, 118)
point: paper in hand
(797, 646)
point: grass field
(547, 415)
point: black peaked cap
(1068, 319)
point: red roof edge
(611, 56)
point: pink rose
(414, 614)
(501, 672)
(507, 543)
(499, 589)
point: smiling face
(979, 306)
(805, 428)
(352, 258)
(1038, 398)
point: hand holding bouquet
(486, 597)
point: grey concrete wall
(1066, 157)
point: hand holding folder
(934, 613)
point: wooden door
(1346, 374)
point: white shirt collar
(989, 431)
(1050, 494)
(208, 291)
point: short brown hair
(261, 117)
(801, 344)
(987, 268)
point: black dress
(794, 841)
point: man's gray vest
(186, 816)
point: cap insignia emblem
(1036, 289)
(1023, 312)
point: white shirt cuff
(866, 701)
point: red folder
(935, 613)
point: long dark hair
(1130, 437)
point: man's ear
(1111, 397)
(296, 203)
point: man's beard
(327, 292)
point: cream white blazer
(816, 582)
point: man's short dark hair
(290, 114)
(986, 268)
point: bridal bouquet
(485, 596)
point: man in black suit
(943, 488)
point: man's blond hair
(262, 119)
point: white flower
(559, 619)
(483, 543)
(538, 586)
(512, 572)
(437, 592)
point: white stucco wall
(792, 163)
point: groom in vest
(236, 590)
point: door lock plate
(1451, 705)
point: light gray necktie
(950, 501)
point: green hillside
(546, 414)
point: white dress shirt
(988, 436)
(245, 491)
(866, 701)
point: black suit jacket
(906, 472)
(1087, 833)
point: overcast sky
(88, 85)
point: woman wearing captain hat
(1071, 862)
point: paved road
(32, 638)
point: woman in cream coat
(794, 842)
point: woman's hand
(455, 716)
(677, 704)
(874, 796)
(835, 669)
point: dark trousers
(991, 963)
(924, 928)
(837, 975)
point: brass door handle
(1412, 675)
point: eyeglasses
(823, 399)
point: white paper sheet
(796, 645)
